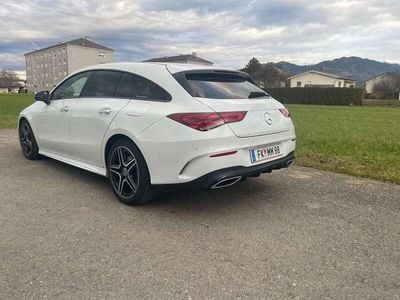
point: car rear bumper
(229, 176)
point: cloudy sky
(228, 32)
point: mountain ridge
(357, 68)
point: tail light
(233, 117)
(207, 121)
(285, 112)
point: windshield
(220, 86)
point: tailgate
(263, 116)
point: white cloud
(227, 32)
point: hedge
(314, 95)
(388, 95)
(378, 102)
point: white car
(156, 126)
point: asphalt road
(297, 233)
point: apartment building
(48, 66)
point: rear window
(219, 85)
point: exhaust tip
(290, 162)
(226, 182)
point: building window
(340, 84)
(59, 61)
(298, 83)
(102, 54)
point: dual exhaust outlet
(232, 180)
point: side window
(125, 87)
(102, 84)
(71, 88)
(136, 87)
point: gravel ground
(297, 233)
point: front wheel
(128, 173)
(27, 141)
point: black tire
(129, 178)
(27, 141)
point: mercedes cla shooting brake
(155, 127)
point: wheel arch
(23, 118)
(112, 139)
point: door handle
(105, 110)
(64, 109)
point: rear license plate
(265, 153)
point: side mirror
(43, 96)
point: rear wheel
(128, 173)
(27, 141)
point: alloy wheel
(124, 172)
(26, 138)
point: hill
(353, 67)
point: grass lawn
(360, 141)
(10, 107)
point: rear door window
(102, 84)
(136, 87)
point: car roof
(171, 67)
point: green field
(361, 141)
(10, 106)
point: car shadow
(250, 193)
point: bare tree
(271, 76)
(389, 86)
(8, 79)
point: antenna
(35, 46)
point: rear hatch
(262, 117)
(228, 91)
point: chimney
(194, 53)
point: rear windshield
(219, 86)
